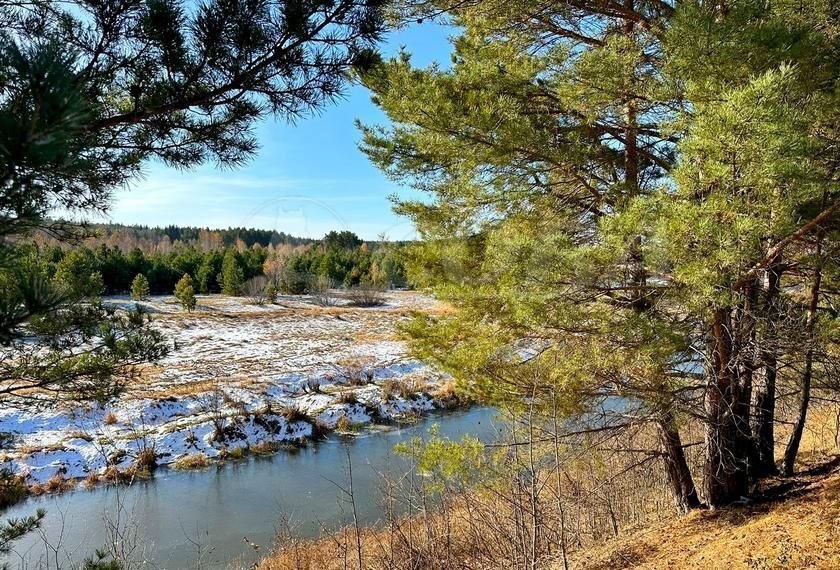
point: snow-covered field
(241, 375)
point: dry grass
(91, 480)
(192, 461)
(347, 397)
(406, 388)
(233, 453)
(55, 484)
(146, 459)
(613, 510)
(294, 414)
(795, 526)
(110, 419)
(264, 448)
(344, 425)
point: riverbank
(242, 379)
(594, 511)
(200, 518)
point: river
(178, 519)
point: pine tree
(607, 185)
(185, 293)
(93, 90)
(140, 288)
(232, 276)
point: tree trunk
(726, 462)
(744, 365)
(676, 467)
(792, 448)
(765, 402)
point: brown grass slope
(792, 524)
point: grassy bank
(598, 510)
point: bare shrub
(356, 371)
(321, 291)
(312, 386)
(213, 403)
(256, 290)
(406, 388)
(366, 294)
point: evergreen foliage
(185, 293)
(627, 202)
(232, 276)
(91, 91)
(140, 288)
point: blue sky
(306, 179)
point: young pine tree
(185, 292)
(232, 276)
(140, 288)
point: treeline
(164, 239)
(150, 239)
(341, 258)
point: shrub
(185, 292)
(271, 292)
(146, 459)
(345, 425)
(58, 484)
(294, 282)
(356, 371)
(140, 288)
(264, 448)
(12, 488)
(347, 397)
(321, 291)
(192, 461)
(294, 414)
(255, 289)
(366, 294)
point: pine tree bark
(792, 448)
(725, 471)
(765, 401)
(676, 467)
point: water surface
(201, 519)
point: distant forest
(159, 239)
(112, 256)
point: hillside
(793, 524)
